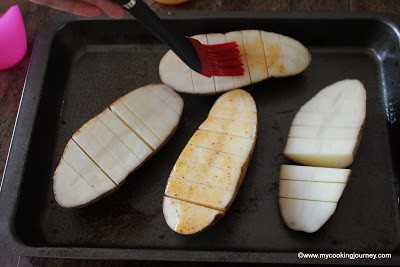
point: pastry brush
(208, 60)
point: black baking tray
(79, 66)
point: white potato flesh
(222, 84)
(70, 189)
(206, 174)
(254, 48)
(323, 146)
(187, 218)
(168, 96)
(105, 150)
(135, 125)
(314, 174)
(305, 215)
(211, 167)
(319, 191)
(229, 126)
(295, 56)
(323, 132)
(117, 149)
(87, 169)
(337, 118)
(288, 57)
(161, 120)
(324, 152)
(175, 67)
(129, 138)
(239, 81)
(326, 131)
(346, 95)
(99, 154)
(202, 84)
(308, 195)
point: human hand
(88, 8)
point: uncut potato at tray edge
(207, 175)
(106, 149)
(264, 55)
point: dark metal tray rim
(9, 191)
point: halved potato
(308, 196)
(324, 133)
(327, 129)
(106, 149)
(210, 169)
(264, 55)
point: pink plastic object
(12, 38)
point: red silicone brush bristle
(219, 59)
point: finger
(73, 6)
(111, 8)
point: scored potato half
(106, 149)
(326, 131)
(211, 167)
(308, 196)
(264, 55)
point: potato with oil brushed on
(264, 55)
(207, 175)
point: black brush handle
(179, 43)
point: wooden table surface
(12, 81)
